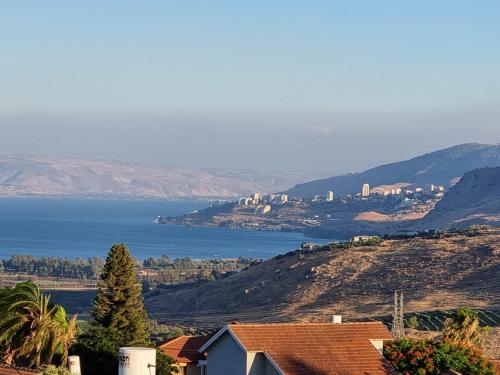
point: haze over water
(86, 228)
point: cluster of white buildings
(328, 197)
(438, 190)
(261, 202)
(392, 191)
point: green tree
(119, 306)
(413, 322)
(463, 327)
(33, 331)
(120, 318)
(165, 365)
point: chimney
(337, 319)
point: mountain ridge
(475, 199)
(22, 175)
(441, 167)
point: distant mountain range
(442, 167)
(43, 176)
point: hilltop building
(330, 196)
(365, 190)
(363, 238)
(256, 198)
(282, 198)
(245, 201)
(263, 209)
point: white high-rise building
(330, 196)
(365, 190)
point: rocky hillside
(440, 167)
(475, 199)
(25, 176)
(356, 282)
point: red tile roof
(496, 365)
(7, 370)
(322, 349)
(184, 349)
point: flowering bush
(425, 357)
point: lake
(89, 227)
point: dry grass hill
(357, 282)
(475, 199)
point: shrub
(463, 327)
(165, 365)
(53, 370)
(413, 322)
(425, 357)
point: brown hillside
(355, 282)
(475, 199)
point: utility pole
(398, 325)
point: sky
(323, 87)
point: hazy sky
(297, 85)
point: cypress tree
(119, 305)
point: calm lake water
(85, 228)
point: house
(363, 238)
(309, 246)
(184, 351)
(298, 349)
(263, 209)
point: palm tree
(33, 329)
(463, 327)
(67, 331)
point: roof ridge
(303, 324)
(170, 340)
